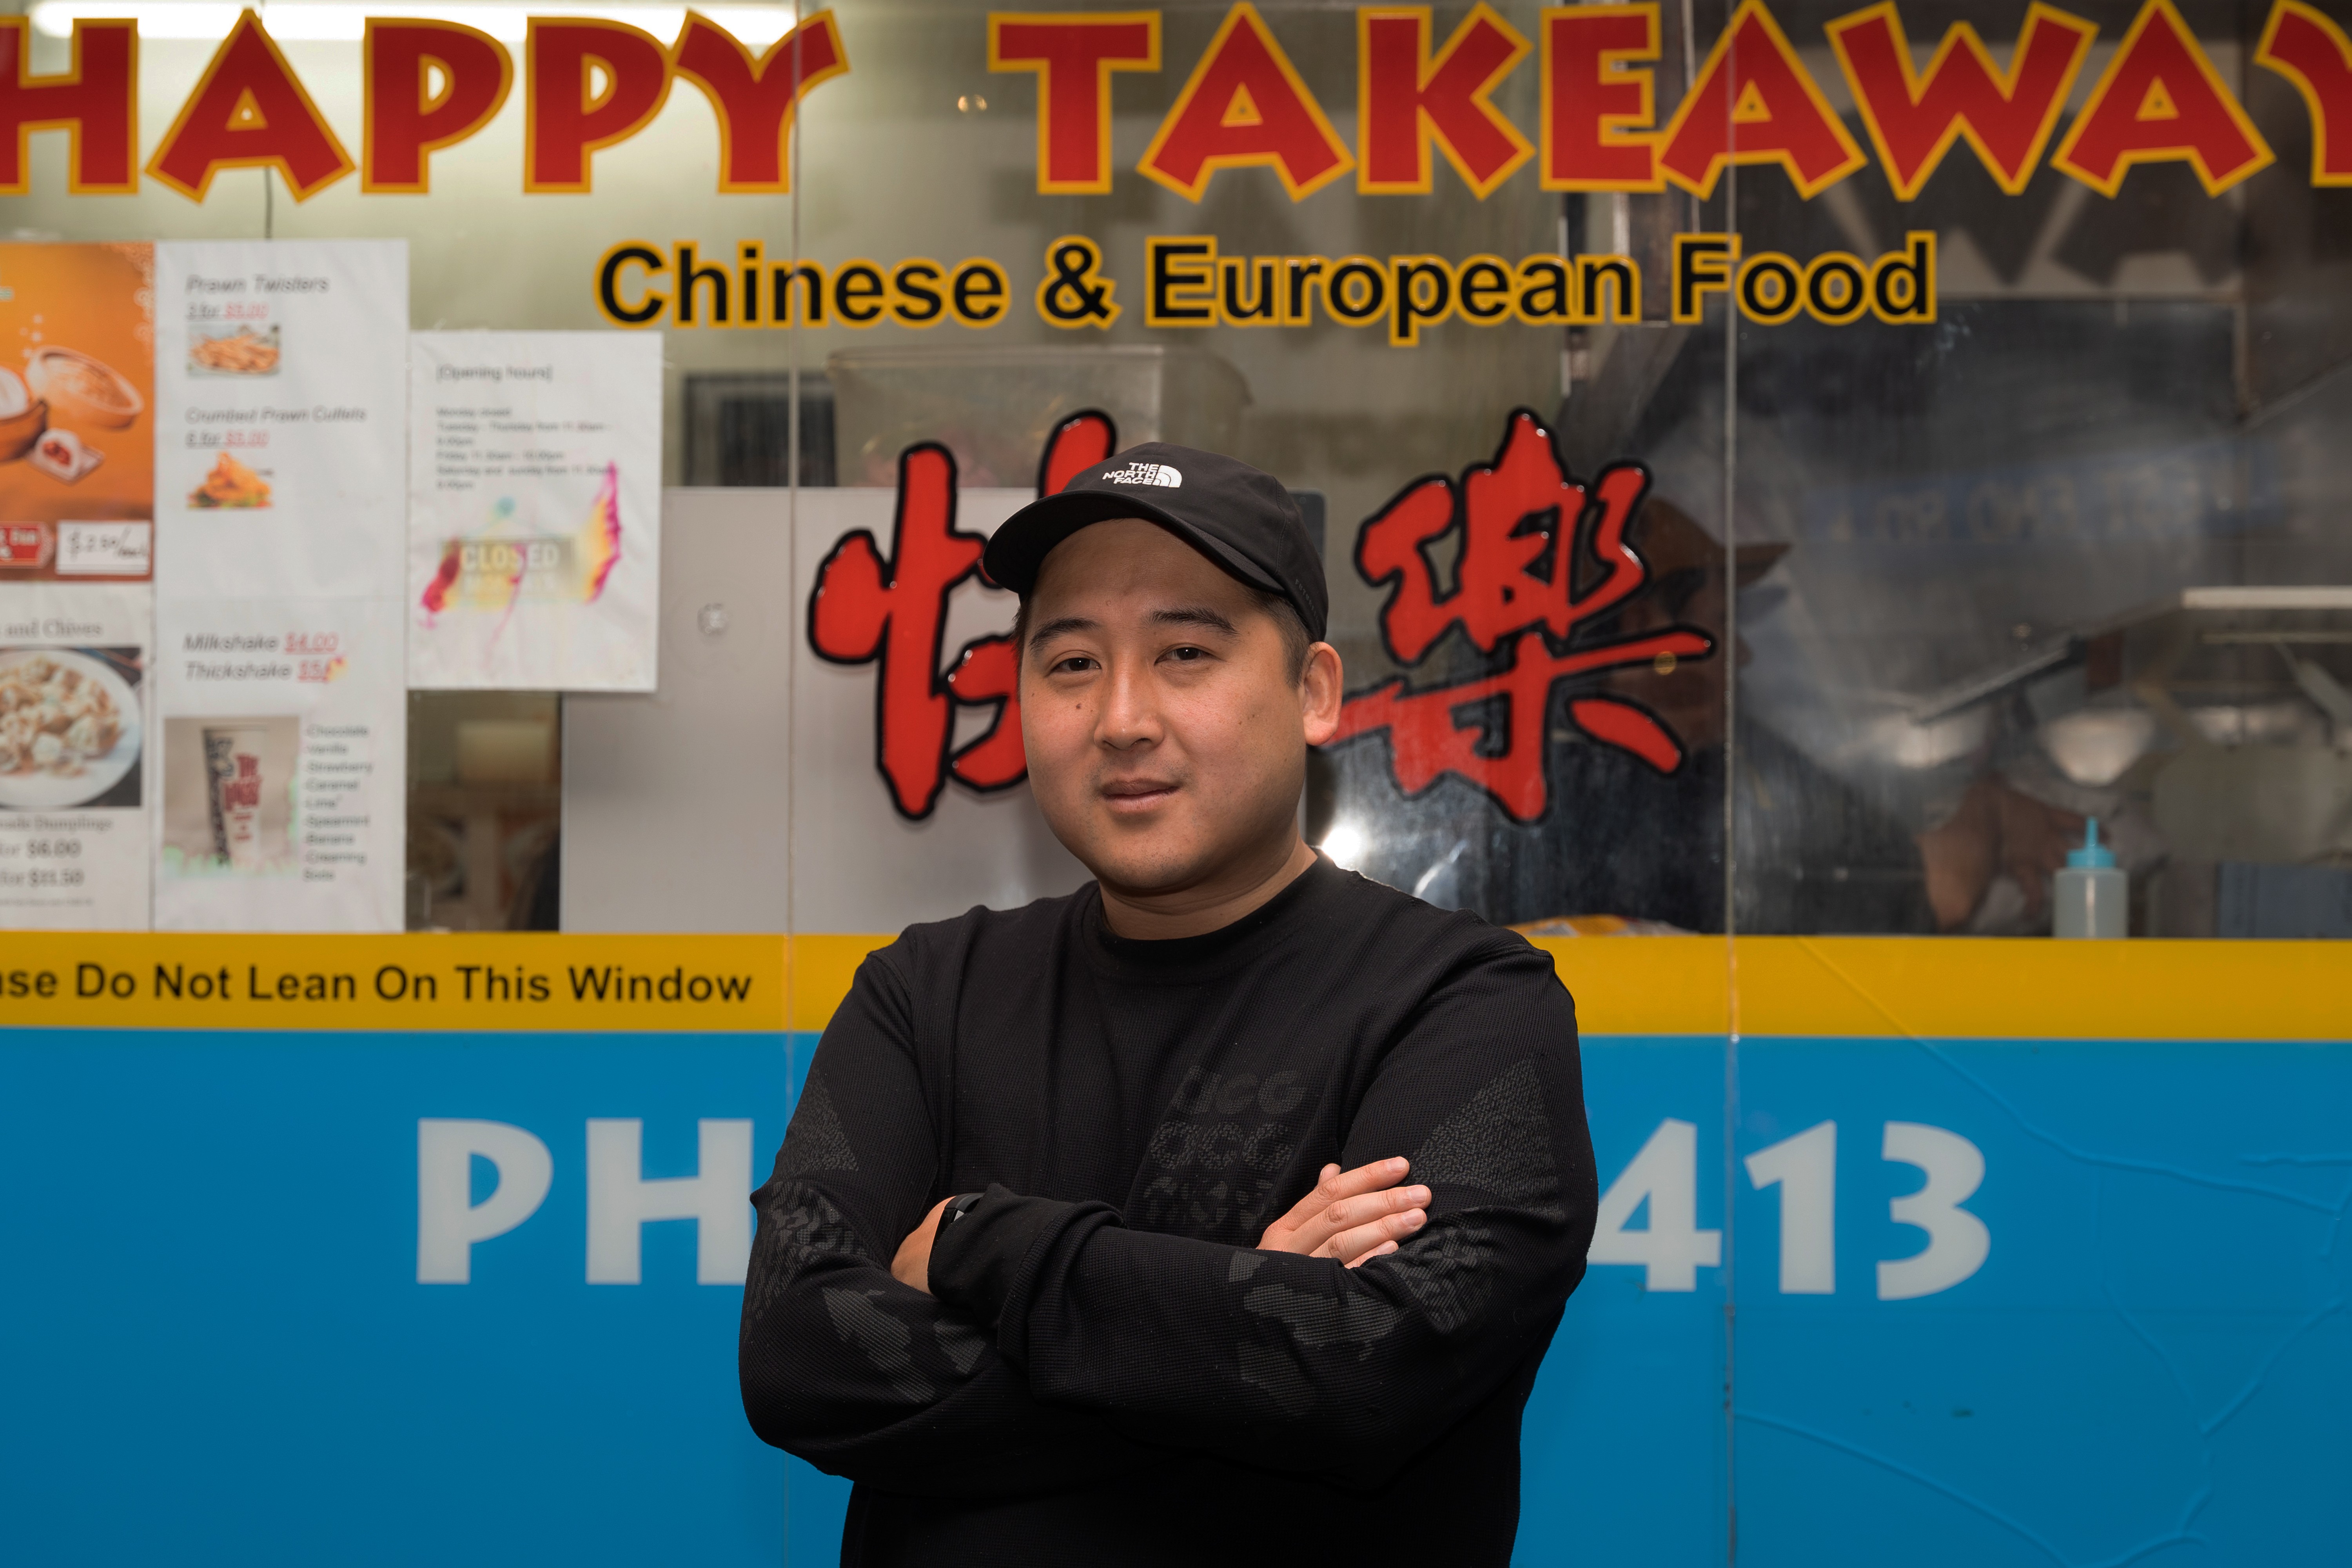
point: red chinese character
(1519, 517)
(1077, 444)
(864, 610)
(989, 668)
(1522, 519)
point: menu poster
(281, 389)
(285, 764)
(280, 469)
(534, 494)
(76, 727)
(76, 412)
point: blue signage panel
(221, 1351)
(384, 1299)
(2149, 1365)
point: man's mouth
(1137, 794)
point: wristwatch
(958, 1206)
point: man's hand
(1352, 1215)
(913, 1264)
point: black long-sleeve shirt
(1108, 1372)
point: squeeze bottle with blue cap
(2091, 896)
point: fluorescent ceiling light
(324, 21)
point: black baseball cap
(1239, 518)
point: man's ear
(1319, 693)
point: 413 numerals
(1672, 1249)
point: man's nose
(1130, 710)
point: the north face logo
(1158, 474)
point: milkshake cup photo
(233, 761)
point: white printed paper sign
(281, 390)
(281, 377)
(534, 545)
(285, 765)
(75, 748)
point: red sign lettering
(407, 119)
(755, 95)
(865, 610)
(2309, 49)
(1526, 530)
(1246, 106)
(97, 101)
(249, 111)
(2160, 101)
(1405, 99)
(1755, 103)
(1074, 56)
(565, 118)
(2007, 117)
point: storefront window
(1783, 470)
(1978, 366)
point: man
(1221, 1211)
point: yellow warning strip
(1872, 986)
(1943, 988)
(1960, 988)
(520, 981)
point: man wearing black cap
(1221, 1211)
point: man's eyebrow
(1174, 616)
(1192, 615)
(1059, 625)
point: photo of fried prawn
(242, 353)
(230, 484)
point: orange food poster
(77, 412)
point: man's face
(1166, 731)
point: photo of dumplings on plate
(68, 726)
